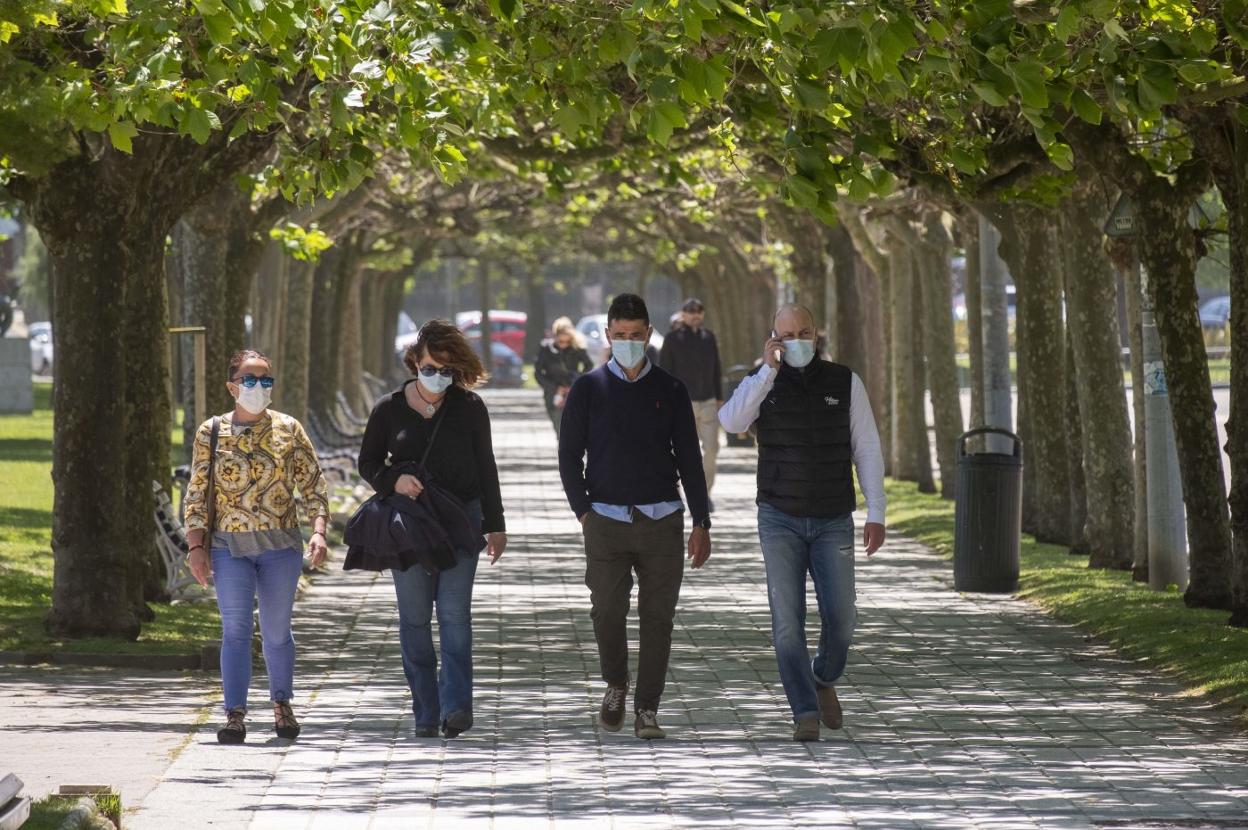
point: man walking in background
(634, 422)
(691, 354)
(814, 420)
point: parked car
(41, 354)
(506, 369)
(594, 328)
(1215, 313)
(506, 327)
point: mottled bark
(1223, 140)
(851, 311)
(1093, 321)
(1076, 448)
(293, 363)
(934, 251)
(536, 325)
(1030, 247)
(974, 316)
(879, 264)
(1168, 253)
(909, 442)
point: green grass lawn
(26, 551)
(1153, 627)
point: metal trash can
(988, 516)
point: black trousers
(654, 550)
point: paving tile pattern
(961, 711)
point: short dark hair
(242, 356)
(693, 306)
(628, 307)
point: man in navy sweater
(635, 422)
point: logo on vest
(831, 401)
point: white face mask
(798, 353)
(436, 384)
(628, 353)
(256, 399)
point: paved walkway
(960, 712)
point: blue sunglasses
(249, 381)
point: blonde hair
(563, 325)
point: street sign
(1121, 221)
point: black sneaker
(611, 715)
(284, 721)
(646, 726)
(235, 730)
(456, 724)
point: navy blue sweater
(640, 438)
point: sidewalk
(960, 712)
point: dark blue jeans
(438, 695)
(793, 547)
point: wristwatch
(705, 524)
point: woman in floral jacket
(254, 546)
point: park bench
(346, 415)
(14, 807)
(171, 541)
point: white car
(594, 328)
(40, 335)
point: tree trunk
(486, 298)
(1093, 320)
(974, 317)
(942, 369)
(1029, 245)
(907, 401)
(293, 363)
(851, 311)
(1168, 252)
(1075, 452)
(535, 326)
(1223, 140)
(880, 265)
(350, 340)
(198, 255)
(391, 304)
(922, 436)
(1122, 252)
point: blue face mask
(798, 353)
(436, 384)
(628, 353)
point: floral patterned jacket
(258, 470)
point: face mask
(798, 353)
(436, 384)
(628, 353)
(256, 399)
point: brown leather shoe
(806, 730)
(611, 715)
(830, 708)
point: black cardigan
(462, 458)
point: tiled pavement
(960, 712)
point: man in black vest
(814, 426)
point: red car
(506, 327)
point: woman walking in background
(243, 531)
(560, 361)
(435, 432)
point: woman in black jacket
(461, 461)
(560, 360)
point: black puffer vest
(804, 452)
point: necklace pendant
(429, 409)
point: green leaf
(990, 94)
(1028, 76)
(737, 9)
(569, 119)
(505, 9)
(220, 27)
(1061, 155)
(198, 124)
(1199, 72)
(1156, 88)
(616, 44)
(936, 31)
(121, 133)
(1067, 22)
(812, 96)
(801, 191)
(1085, 107)
(964, 161)
(659, 129)
(1114, 29)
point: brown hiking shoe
(807, 729)
(611, 715)
(830, 708)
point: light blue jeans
(438, 695)
(273, 576)
(793, 547)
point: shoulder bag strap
(437, 426)
(212, 478)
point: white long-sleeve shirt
(741, 410)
